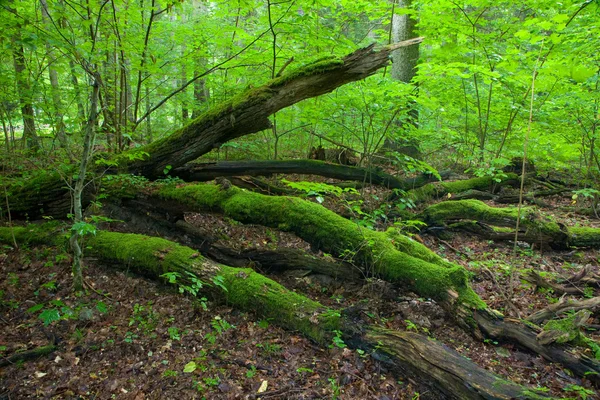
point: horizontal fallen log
(438, 190)
(28, 355)
(209, 171)
(499, 224)
(447, 371)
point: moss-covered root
(417, 270)
(437, 190)
(425, 356)
(534, 226)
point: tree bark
(25, 95)
(210, 171)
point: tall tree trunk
(88, 144)
(59, 124)
(25, 96)
(404, 60)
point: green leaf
(35, 308)
(49, 316)
(190, 367)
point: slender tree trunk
(88, 144)
(185, 113)
(59, 124)
(78, 100)
(25, 98)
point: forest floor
(132, 338)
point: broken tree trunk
(209, 171)
(248, 112)
(499, 223)
(449, 373)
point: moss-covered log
(136, 217)
(377, 251)
(209, 171)
(28, 355)
(499, 224)
(444, 369)
(437, 190)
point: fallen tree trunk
(499, 223)
(449, 372)
(438, 190)
(209, 171)
(377, 251)
(137, 219)
(395, 258)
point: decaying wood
(516, 331)
(564, 305)
(28, 355)
(209, 171)
(535, 278)
(249, 112)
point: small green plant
(174, 333)
(144, 318)
(269, 348)
(303, 370)
(130, 337)
(251, 372)
(582, 392)
(337, 340)
(263, 324)
(411, 326)
(13, 279)
(169, 373)
(336, 389)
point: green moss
(316, 67)
(438, 189)
(410, 246)
(567, 329)
(336, 235)
(584, 237)
(246, 289)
